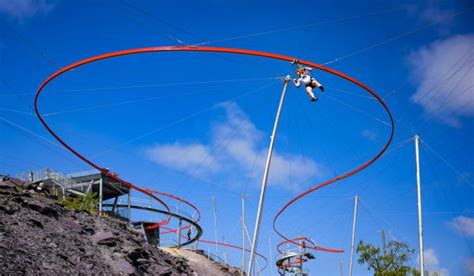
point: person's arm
(297, 83)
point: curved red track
(182, 201)
(229, 246)
(216, 50)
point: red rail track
(215, 50)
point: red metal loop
(215, 50)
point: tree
(391, 262)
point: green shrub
(87, 203)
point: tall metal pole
(129, 206)
(340, 269)
(271, 254)
(384, 244)
(265, 178)
(100, 193)
(215, 219)
(243, 235)
(418, 188)
(354, 223)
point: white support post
(215, 219)
(354, 223)
(271, 254)
(265, 178)
(101, 183)
(418, 189)
(129, 206)
(180, 224)
(250, 241)
(243, 236)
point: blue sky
(210, 115)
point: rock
(41, 207)
(75, 243)
(37, 223)
(88, 230)
(69, 223)
(123, 266)
(50, 212)
(6, 186)
(10, 208)
(102, 236)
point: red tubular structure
(297, 241)
(217, 50)
(234, 247)
(182, 201)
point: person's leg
(315, 83)
(309, 90)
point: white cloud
(369, 134)
(432, 11)
(463, 225)
(22, 9)
(182, 157)
(432, 262)
(444, 75)
(236, 148)
(469, 266)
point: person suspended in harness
(303, 246)
(304, 77)
(188, 234)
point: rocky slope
(39, 236)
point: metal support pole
(265, 178)
(340, 269)
(101, 183)
(243, 235)
(179, 232)
(356, 201)
(129, 206)
(384, 244)
(271, 254)
(250, 241)
(300, 249)
(215, 219)
(418, 189)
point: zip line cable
(446, 79)
(46, 141)
(447, 163)
(67, 91)
(448, 201)
(350, 93)
(158, 19)
(13, 92)
(340, 19)
(359, 111)
(214, 154)
(396, 37)
(371, 211)
(397, 89)
(17, 111)
(363, 185)
(439, 84)
(30, 44)
(122, 103)
(442, 104)
(435, 87)
(214, 106)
